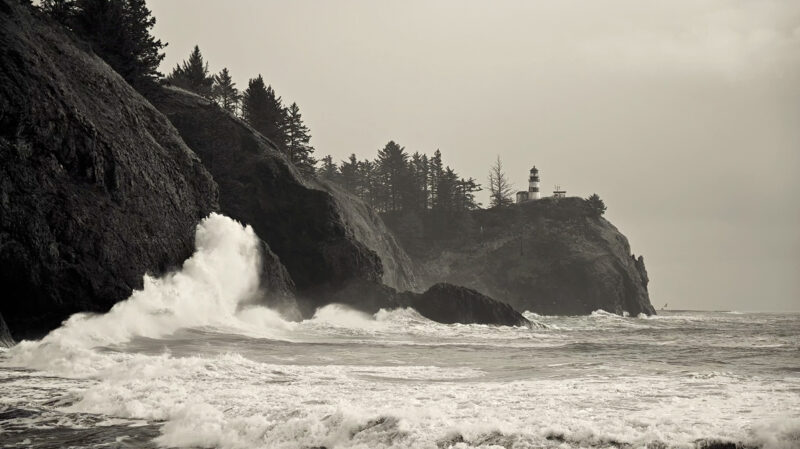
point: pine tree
(145, 50)
(465, 194)
(499, 187)
(62, 11)
(297, 137)
(446, 191)
(435, 175)
(349, 176)
(419, 169)
(264, 111)
(596, 206)
(193, 75)
(328, 170)
(119, 33)
(392, 164)
(368, 182)
(224, 91)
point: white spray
(209, 290)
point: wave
(215, 287)
(338, 315)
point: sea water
(191, 362)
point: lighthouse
(533, 185)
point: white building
(533, 188)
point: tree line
(398, 181)
(119, 32)
(258, 105)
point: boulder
(447, 303)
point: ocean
(189, 362)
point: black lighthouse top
(534, 174)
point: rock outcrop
(96, 186)
(327, 239)
(443, 303)
(369, 228)
(446, 303)
(550, 256)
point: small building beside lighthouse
(533, 192)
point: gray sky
(684, 116)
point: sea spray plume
(208, 290)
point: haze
(684, 116)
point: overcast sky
(684, 116)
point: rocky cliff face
(549, 257)
(96, 186)
(325, 238)
(368, 228)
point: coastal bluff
(550, 256)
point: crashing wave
(214, 287)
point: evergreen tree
(435, 174)
(328, 170)
(62, 11)
(446, 191)
(392, 165)
(193, 75)
(596, 206)
(368, 182)
(419, 168)
(297, 137)
(119, 33)
(224, 91)
(465, 191)
(499, 187)
(264, 111)
(349, 176)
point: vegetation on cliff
(118, 31)
(396, 181)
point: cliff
(369, 228)
(549, 257)
(326, 238)
(96, 186)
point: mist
(683, 116)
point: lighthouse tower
(533, 185)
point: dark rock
(364, 295)
(446, 303)
(277, 287)
(315, 229)
(96, 186)
(369, 229)
(549, 257)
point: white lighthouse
(533, 185)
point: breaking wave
(214, 287)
